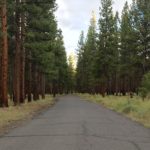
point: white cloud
(74, 15)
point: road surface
(74, 124)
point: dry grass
(13, 114)
(135, 108)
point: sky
(73, 16)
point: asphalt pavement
(75, 124)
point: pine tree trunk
(1, 102)
(29, 89)
(116, 84)
(35, 86)
(4, 61)
(54, 88)
(22, 64)
(38, 84)
(43, 86)
(17, 58)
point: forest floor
(134, 108)
(13, 116)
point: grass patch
(135, 108)
(10, 115)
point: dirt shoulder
(13, 117)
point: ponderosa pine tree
(4, 56)
(62, 63)
(122, 56)
(106, 52)
(37, 54)
(11, 43)
(80, 64)
(22, 52)
(89, 55)
(143, 24)
(59, 68)
(71, 74)
(126, 51)
(116, 47)
(41, 32)
(129, 53)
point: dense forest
(32, 52)
(114, 58)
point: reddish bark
(4, 58)
(29, 88)
(17, 58)
(35, 83)
(22, 63)
(42, 89)
(1, 102)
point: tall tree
(80, 64)
(129, 53)
(4, 56)
(22, 53)
(143, 23)
(71, 74)
(40, 38)
(89, 55)
(16, 78)
(116, 62)
(60, 65)
(122, 55)
(106, 51)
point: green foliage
(119, 56)
(80, 64)
(71, 74)
(45, 42)
(145, 86)
(43, 45)
(106, 38)
(143, 92)
(86, 59)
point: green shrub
(129, 108)
(143, 92)
(145, 86)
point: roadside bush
(145, 86)
(128, 108)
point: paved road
(74, 124)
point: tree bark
(29, 89)
(43, 86)
(4, 59)
(22, 64)
(35, 86)
(17, 57)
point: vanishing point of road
(75, 124)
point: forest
(32, 52)
(113, 58)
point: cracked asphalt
(74, 124)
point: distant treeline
(114, 59)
